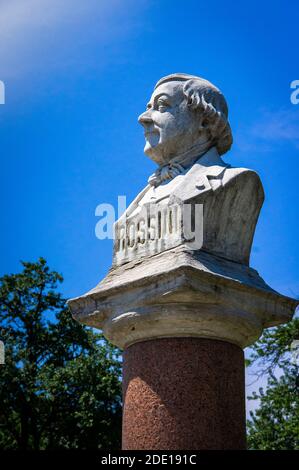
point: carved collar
(183, 162)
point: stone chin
(153, 149)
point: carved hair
(202, 95)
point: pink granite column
(183, 393)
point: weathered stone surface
(162, 282)
(183, 394)
(182, 293)
(231, 199)
(186, 130)
(180, 297)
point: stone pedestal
(182, 318)
(183, 394)
(180, 298)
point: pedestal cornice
(182, 293)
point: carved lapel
(200, 179)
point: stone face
(181, 255)
(185, 116)
(186, 130)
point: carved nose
(145, 118)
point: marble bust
(160, 283)
(181, 270)
(186, 132)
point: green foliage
(60, 385)
(274, 425)
(273, 348)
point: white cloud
(34, 33)
(27, 16)
(270, 129)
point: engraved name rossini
(157, 227)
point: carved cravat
(178, 164)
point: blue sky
(77, 75)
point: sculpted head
(184, 111)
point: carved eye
(162, 105)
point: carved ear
(192, 94)
(204, 122)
